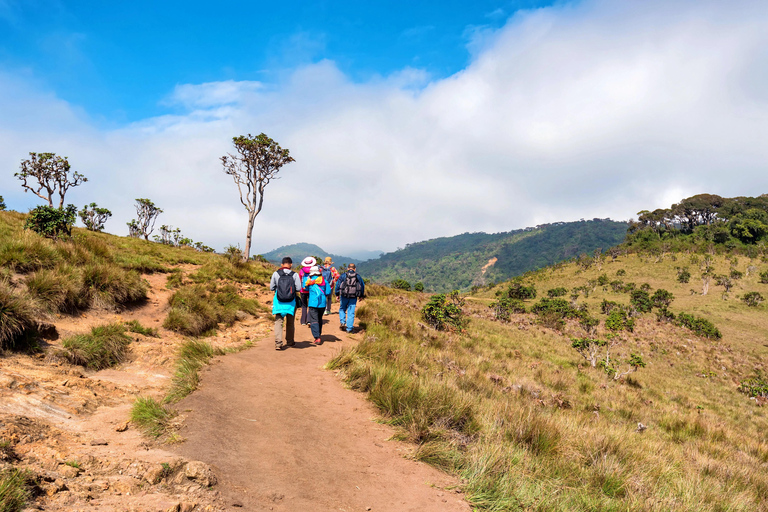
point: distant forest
(458, 262)
(701, 222)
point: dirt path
(282, 434)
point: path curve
(283, 434)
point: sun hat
(314, 271)
(308, 261)
(328, 260)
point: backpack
(327, 275)
(351, 286)
(286, 287)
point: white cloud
(576, 111)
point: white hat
(308, 261)
(314, 271)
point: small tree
(2, 203)
(753, 299)
(147, 214)
(635, 362)
(51, 222)
(94, 217)
(588, 348)
(257, 162)
(52, 174)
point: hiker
(285, 283)
(349, 288)
(331, 275)
(317, 288)
(306, 264)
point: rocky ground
(70, 427)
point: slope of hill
(528, 422)
(298, 252)
(462, 261)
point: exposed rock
(200, 473)
(69, 471)
(99, 442)
(154, 474)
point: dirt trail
(282, 434)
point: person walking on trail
(318, 288)
(349, 288)
(306, 264)
(331, 275)
(285, 283)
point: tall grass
(193, 355)
(105, 346)
(510, 409)
(198, 309)
(13, 489)
(18, 315)
(151, 416)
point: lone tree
(257, 162)
(145, 224)
(94, 217)
(52, 174)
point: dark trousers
(304, 300)
(316, 321)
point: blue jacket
(318, 288)
(283, 308)
(343, 278)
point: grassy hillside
(529, 424)
(474, 259)
(299, 251)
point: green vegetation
(443, 312)
(753, 299)
(135, 326)
(52, 222)
(193, 355)
(151, 416)
(14, 489)
(401, 284)
(105, 346)
(477, 259)
(197, 309)
(700, 326)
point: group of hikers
(312, 289)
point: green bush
(764, 277)
(401, 284)
(699, 326)
(662, 298)
(621, 272)
(443, 312)
(2, 204)
(608, 305)
(517, 290)
(556, 292)
(560, 307)
(752, 299)
(754, 386)
(418, 287)
(736, 274)
(683, 275)
(51, 222)
(505, 306)
(618, 320)
(94, 217)
(641, 301)
(105, 346)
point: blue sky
(119, 61)
(407, 120)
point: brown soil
(279, 432)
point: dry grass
(529, 425)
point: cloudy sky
(408, 120)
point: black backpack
(351, 285)
(286, 287)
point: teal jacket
(283, 308)
(318, 288)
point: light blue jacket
(283, 308)
(318, 289)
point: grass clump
(135, 326)
(198, 309)
(105, 346)
(15, 487)
(193, 355)
(18, 316)
(151, 416)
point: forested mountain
(299, 251)
(461, 261)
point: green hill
(299, 251)
(470, 259)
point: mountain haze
(462, 261)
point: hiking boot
(318, 341)
(291, 343)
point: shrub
(752, 299)
(618, 320)
(617, 285)
(517, 290)
(603, 279)
(2, 204)
(621, 272)
(556, 292)
(588, 348)
(699, 326)
(764, 277)
(736, 274)
(401, 284)
(608, 305)
(58, 290)
(443, 312)
(505, 306)
(662, 299)
(559, 308)
(418, 287)
(683, 275)
(51, 222)
(641, 301)
(588, 323)
(105, 346)
(754, 386)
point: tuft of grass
(135, 326)
(18, 316)
(14, 489)
(193, 355)
(198, 309)
(108, 285)
(59, 289)
(151, 416)
(105, 346)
